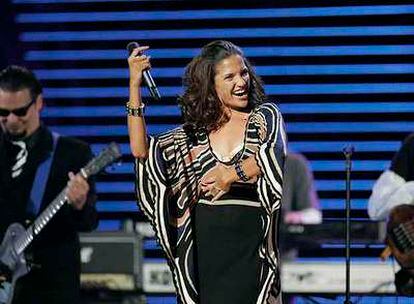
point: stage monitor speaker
(111, 260)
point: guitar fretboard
(107, 156)
(26, 238)
(402, 236)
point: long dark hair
(200, 105)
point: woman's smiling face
(232, 82)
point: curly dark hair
(200, 105)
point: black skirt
(228, 235)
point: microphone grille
(131, 46)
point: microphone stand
(348, 164)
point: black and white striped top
(167, 190)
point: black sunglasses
(20, 112)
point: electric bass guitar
(12, 261)
(400, 239)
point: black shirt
(15, 192)
(55, 251)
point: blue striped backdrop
(342, 73)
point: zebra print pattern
(167, 189)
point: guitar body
(12, 263)
(400, 239)
(400, 234)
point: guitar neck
(34, 229)
(106, 157)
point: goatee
(13, 137)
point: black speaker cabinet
(111, 260)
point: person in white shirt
(395, 186)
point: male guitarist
(25, 144)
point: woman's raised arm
(135, 107)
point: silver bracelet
(137, 112)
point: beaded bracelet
(137, 112)
(240, 173)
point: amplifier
(111, 260)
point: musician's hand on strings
(77, 191)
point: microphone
(147, 75)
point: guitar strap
(39, 184)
